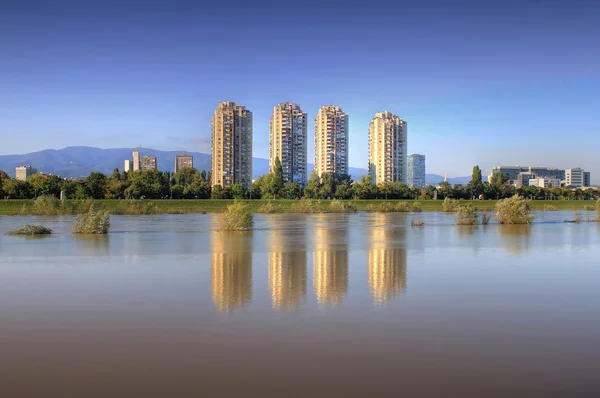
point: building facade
(545, 182)
(288, 127)
(136, 160)
(127, 166)
(331, 140)
(147, 162)
(577, 178)
(416, 171)
(183, 162)
(512, 172)
(231, 145)
(387, 148)
(23, 172)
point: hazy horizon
(510, 83)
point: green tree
(475, 186)
(95, 186)
(365, 189)
(3, 177)
(238, 191)
(313, 186)
(277, 176)
(291, 190)
(148, 184)
(15, 189)
(218, 192)
(45, 184)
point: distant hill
(80, 161)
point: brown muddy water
(326, 305)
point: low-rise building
(545, 182)
(512, 172)
(23, 172)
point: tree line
(190, 183)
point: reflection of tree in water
(387, 261)
(93, 245)
(331, 258)
(231, 269)
(515, 238)
(287, 267)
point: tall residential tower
(416, 171)
(331, 140)
(387, 148)
(231, 145)
(288, 142)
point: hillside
(80, 161)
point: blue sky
(479, 82)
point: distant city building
(577, 178)
(128, 166)
(416, 171)
(183, 162)
(331, 140)
(231, 145)
(148, 162)
(524, 178)
(544, 182)
(512, 172)
(136, 160)
(387, 148)
(288, 130)
(22, 172)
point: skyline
(472, 90)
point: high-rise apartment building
(288, 142)
(577, 178)
(136, 160)
(183, 162)
(231, 145)
(22, 172)
(147, 162)
(331, 140)
(387, 148)
(127, 166)
(416, 171)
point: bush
(92, 222)
(402, 207)
(46, 205)
(466, 215)
(30, 230)
(515, 210)
(550, 208)
(385, 207)
(589, 208)
(415, 207)
(417, 223)
(449, 205)
(338, 206)
(238, 217)
(306, 206)
(133, 206)
(270, 208)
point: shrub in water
(385, 207)
(417, 223)
(402, 207)
(30, 230)
(238, 217)
(485, 217)
(133, 206)
(515, 210)
(47, 205)
(415, 207)
(449, 205)
(305, 206)
(338, 206)
(466, 215)
(270, 208)
(550, 208)
(92, 222)
(589, 208)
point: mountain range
(80, 161)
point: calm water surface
(319, 305)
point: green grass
(181, 206)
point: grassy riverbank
(182, 206)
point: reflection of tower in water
(387, 261)
(331, 258)
(287, 268)
(231, 269)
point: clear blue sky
(479, 82)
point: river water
(321, 305)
